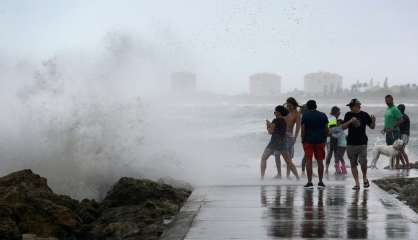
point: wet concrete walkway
(288, 211)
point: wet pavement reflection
(357, 216)
(291, 212)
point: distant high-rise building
(265, 84)
(386, 83)
(183, 82)
(323, 83)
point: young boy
(337, 132)
(278, 143)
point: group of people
(320, 132)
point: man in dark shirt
(314, 136)
(356, 122)
(405, 131)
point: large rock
(28, 205)
(136, 209)
(8, 225)
(132, 209)
(130, 191)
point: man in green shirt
(393, 119)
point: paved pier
(287, 211)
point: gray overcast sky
(225, 41)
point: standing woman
(278, 143)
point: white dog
(389, 151)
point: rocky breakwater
(405, 189)
(132, 209)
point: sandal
(356, 188)
(366, 184)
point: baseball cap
(353, 102)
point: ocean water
(83, 145)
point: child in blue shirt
(338, 133)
